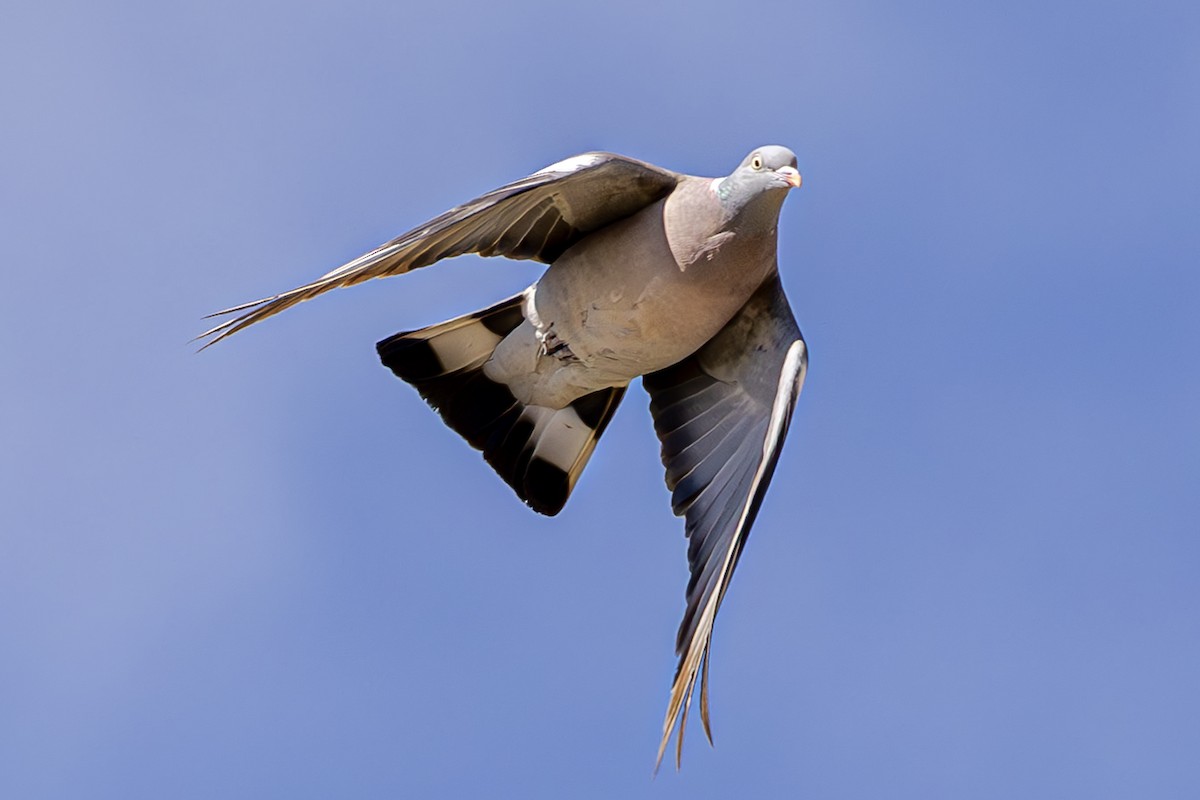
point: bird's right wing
(537, 217)
(722, 414)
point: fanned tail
(538, 451)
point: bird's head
(761, 181)
(765, 169)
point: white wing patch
(572, 164)
(791, 381)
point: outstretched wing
(721, 415)
(537, 217)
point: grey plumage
(651, 273)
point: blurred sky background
(269, 570)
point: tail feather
(540, 452)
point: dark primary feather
(537, 217)
(721, 415)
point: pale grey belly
(562, 359)
(586, 343)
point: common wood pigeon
(652, 273)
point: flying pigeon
(651, 273)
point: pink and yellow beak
(791, 174)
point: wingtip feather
(704, 697)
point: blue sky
(268, 570)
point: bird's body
(634, 326)
(650, 273)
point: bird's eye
(757, 161)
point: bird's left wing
(721, 415)
(537, 217)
